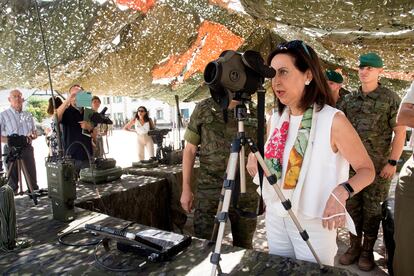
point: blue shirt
(14, 122)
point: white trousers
(145, 142)
(284, 239)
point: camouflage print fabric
(208, 129)
(373, 116)
(404, 223)
(365, 206)
(342, 93)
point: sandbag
(8, 229)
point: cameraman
(15, 121)
(74, 141)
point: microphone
(100, 118)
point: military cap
(370, 59)
(334, 76)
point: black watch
(348, 188)
(392, 162)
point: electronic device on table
(154, 244)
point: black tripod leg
(285, 202)
(28, 180)
(10, 167)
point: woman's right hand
(251, 164)
(128, 126)
(187, 198)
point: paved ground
(123, 148)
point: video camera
(101, 118)
(17, 141)
(236, 76)
(157, 135)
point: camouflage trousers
(205, 211)
(365, 206)
(404, 223)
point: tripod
(14, 158)
(237, 152)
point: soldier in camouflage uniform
(208, 129)
(372, 110)
(335, 81)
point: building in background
(122, 109)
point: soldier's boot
(366, 259)
(353, 252)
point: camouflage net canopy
(159, 48)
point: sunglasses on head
(294, 44)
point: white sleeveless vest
(326, 170)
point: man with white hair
(15, 121)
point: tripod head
(16, 144)
(240, 111)
(158, 135)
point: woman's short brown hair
(306, 58)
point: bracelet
(348, 188)
(392, 162)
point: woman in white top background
(143, 123)
(309, 148)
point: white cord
(339, 214)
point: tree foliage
(37, 107)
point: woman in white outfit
(143, 123)
(309, 148)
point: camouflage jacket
(208, 129)
(373, 116)
(342, 93)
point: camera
(17, 141)
(236, 76)
(100, 118)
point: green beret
(334, 76)
(370, 59)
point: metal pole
(57, 128)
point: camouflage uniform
(342, 93)
(373, 116)
(208, 129)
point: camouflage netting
(159, 48)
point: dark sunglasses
(294, 44)
(141, 110)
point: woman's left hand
(251, 164)
(388, 171)
(334, 214)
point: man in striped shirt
(16, 121)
